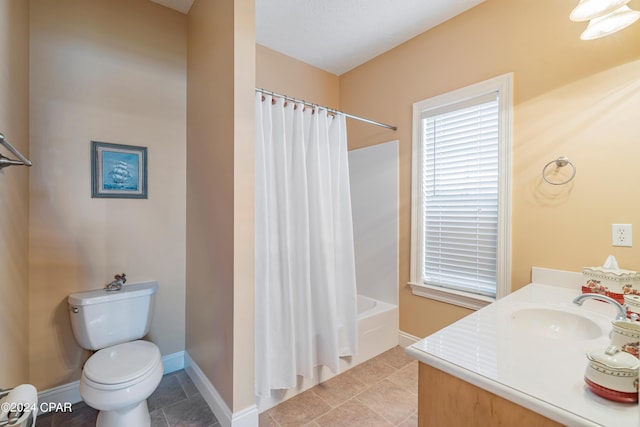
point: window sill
(462, 299)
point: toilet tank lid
(99, 296)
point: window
(460, 225)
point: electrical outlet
(621, 235)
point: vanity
(520, 361)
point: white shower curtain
(306, 312)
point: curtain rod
(330, 110)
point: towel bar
(5, 161)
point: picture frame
(118, 171)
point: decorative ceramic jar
(632, 303)
(614, 283)
(626, 336)
(613, 374)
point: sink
(555, 324)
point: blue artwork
(120, 171)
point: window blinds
(460, 195)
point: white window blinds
(460, 195)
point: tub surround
(373, 176)
(541, 373)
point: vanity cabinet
(444, 400)
(497, 368)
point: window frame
(502, 84)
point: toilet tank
(102, 318)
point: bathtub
(378, 325)
(365, 305)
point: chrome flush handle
(116, 284)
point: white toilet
(122, 374)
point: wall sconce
(605, 17)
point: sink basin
(555, 324)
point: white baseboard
(70, 393)
(405, 339)
(248, 417)
(66, 393)
(173, 362)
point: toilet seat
(119, 365)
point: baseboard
(70, 393)
(405, 339)
(66, 393)
(173, 362)
(246, 418)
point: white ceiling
(338, 35)
(179, 5)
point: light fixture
(587, 10)
(608, 24)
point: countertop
(541, 372)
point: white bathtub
(365, 304)
(377, 333)
(368, 307)
(378, 326)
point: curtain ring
(559, 162)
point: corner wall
(110, 71)
(14, 194)
(572, 98)
(288, 76)
(220, 144)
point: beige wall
(111, 71)
(572, 98)
(288, 76)
(220, 139)
(14, 193)
(114, 70)
(244, 182)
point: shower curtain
(306, 312)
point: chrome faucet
(622, 312)
(116, 284)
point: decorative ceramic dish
(632, 303)
(614, 283)
(613, 374)
(616, 396)
(626, 336)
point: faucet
(622, 312)
(116, 284)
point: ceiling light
(587, 10)
(608, 24)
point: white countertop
(542, 373)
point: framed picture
(118, 171)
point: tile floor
(382, 391)
(175, 403)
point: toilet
(123, 372)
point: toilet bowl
(118, 380)
(125, 370)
